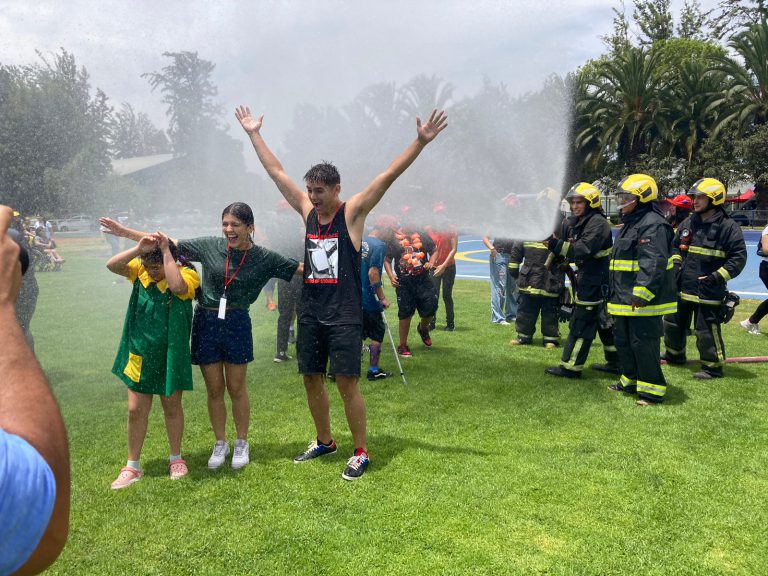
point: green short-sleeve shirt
(258, 267)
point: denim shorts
(317, 344)
(215, 340)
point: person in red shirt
(446, 238)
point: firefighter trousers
(586, 322)
(638, 340)
(709, 338)
(528, 310)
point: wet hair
(325, 173)
(156, 256)
(241, 211)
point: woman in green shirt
(234, 272)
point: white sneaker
(749, 327)
(240, 456)
(219, 454)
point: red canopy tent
(743, 197)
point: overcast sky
(273, 55)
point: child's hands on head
(147, 244)
(162, 240)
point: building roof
(125, 166)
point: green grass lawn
(480, 465)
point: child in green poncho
(153, 357)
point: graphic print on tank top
(323, 258)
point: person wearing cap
(681, 209)
(708, 250)
(641, 288)
(586, 241)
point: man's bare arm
(296, 197)
(27, 406)
(362, 203)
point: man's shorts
(373, 326)
(416, 293)
(316, 344)
(215, 340)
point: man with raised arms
(330, 316)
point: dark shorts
(373, 326)
(214, 340)
(316, 344)
(416, 293)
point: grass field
(480, 465)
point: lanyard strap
(328, 228)
(227, 281)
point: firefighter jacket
(529, 259)
(587, 242)
(714, 249)
(641, 269)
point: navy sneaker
(378, 375)
(282, 357)
(314, 450)
(356, 466)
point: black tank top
(332, 291)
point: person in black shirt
(330, 317)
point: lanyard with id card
(227, 282)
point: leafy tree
(134, 135)
(731, 16)
(654, 19)
(693, 22)
(618, 40)
(188, 90)
(53, 136)
(210, 161)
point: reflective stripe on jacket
(534, 276)
(588, 244)
(715, 249)
(641, 267)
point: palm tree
(621, 107)
(745, 97)
(690, 108)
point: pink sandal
(178, 469)
(127, 477)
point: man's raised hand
(438, 121)
(248, 122)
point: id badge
(223, 307)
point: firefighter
(586, 241)
(641, 288)
(539, 289)
(708, 250)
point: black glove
(638, 302)
(552, 244)
(712, 280)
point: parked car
(76, 223)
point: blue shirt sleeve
(376, 256)
(27, 495)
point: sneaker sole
(239, 466)
(313, 458)
(125, 485)
(351, 478)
